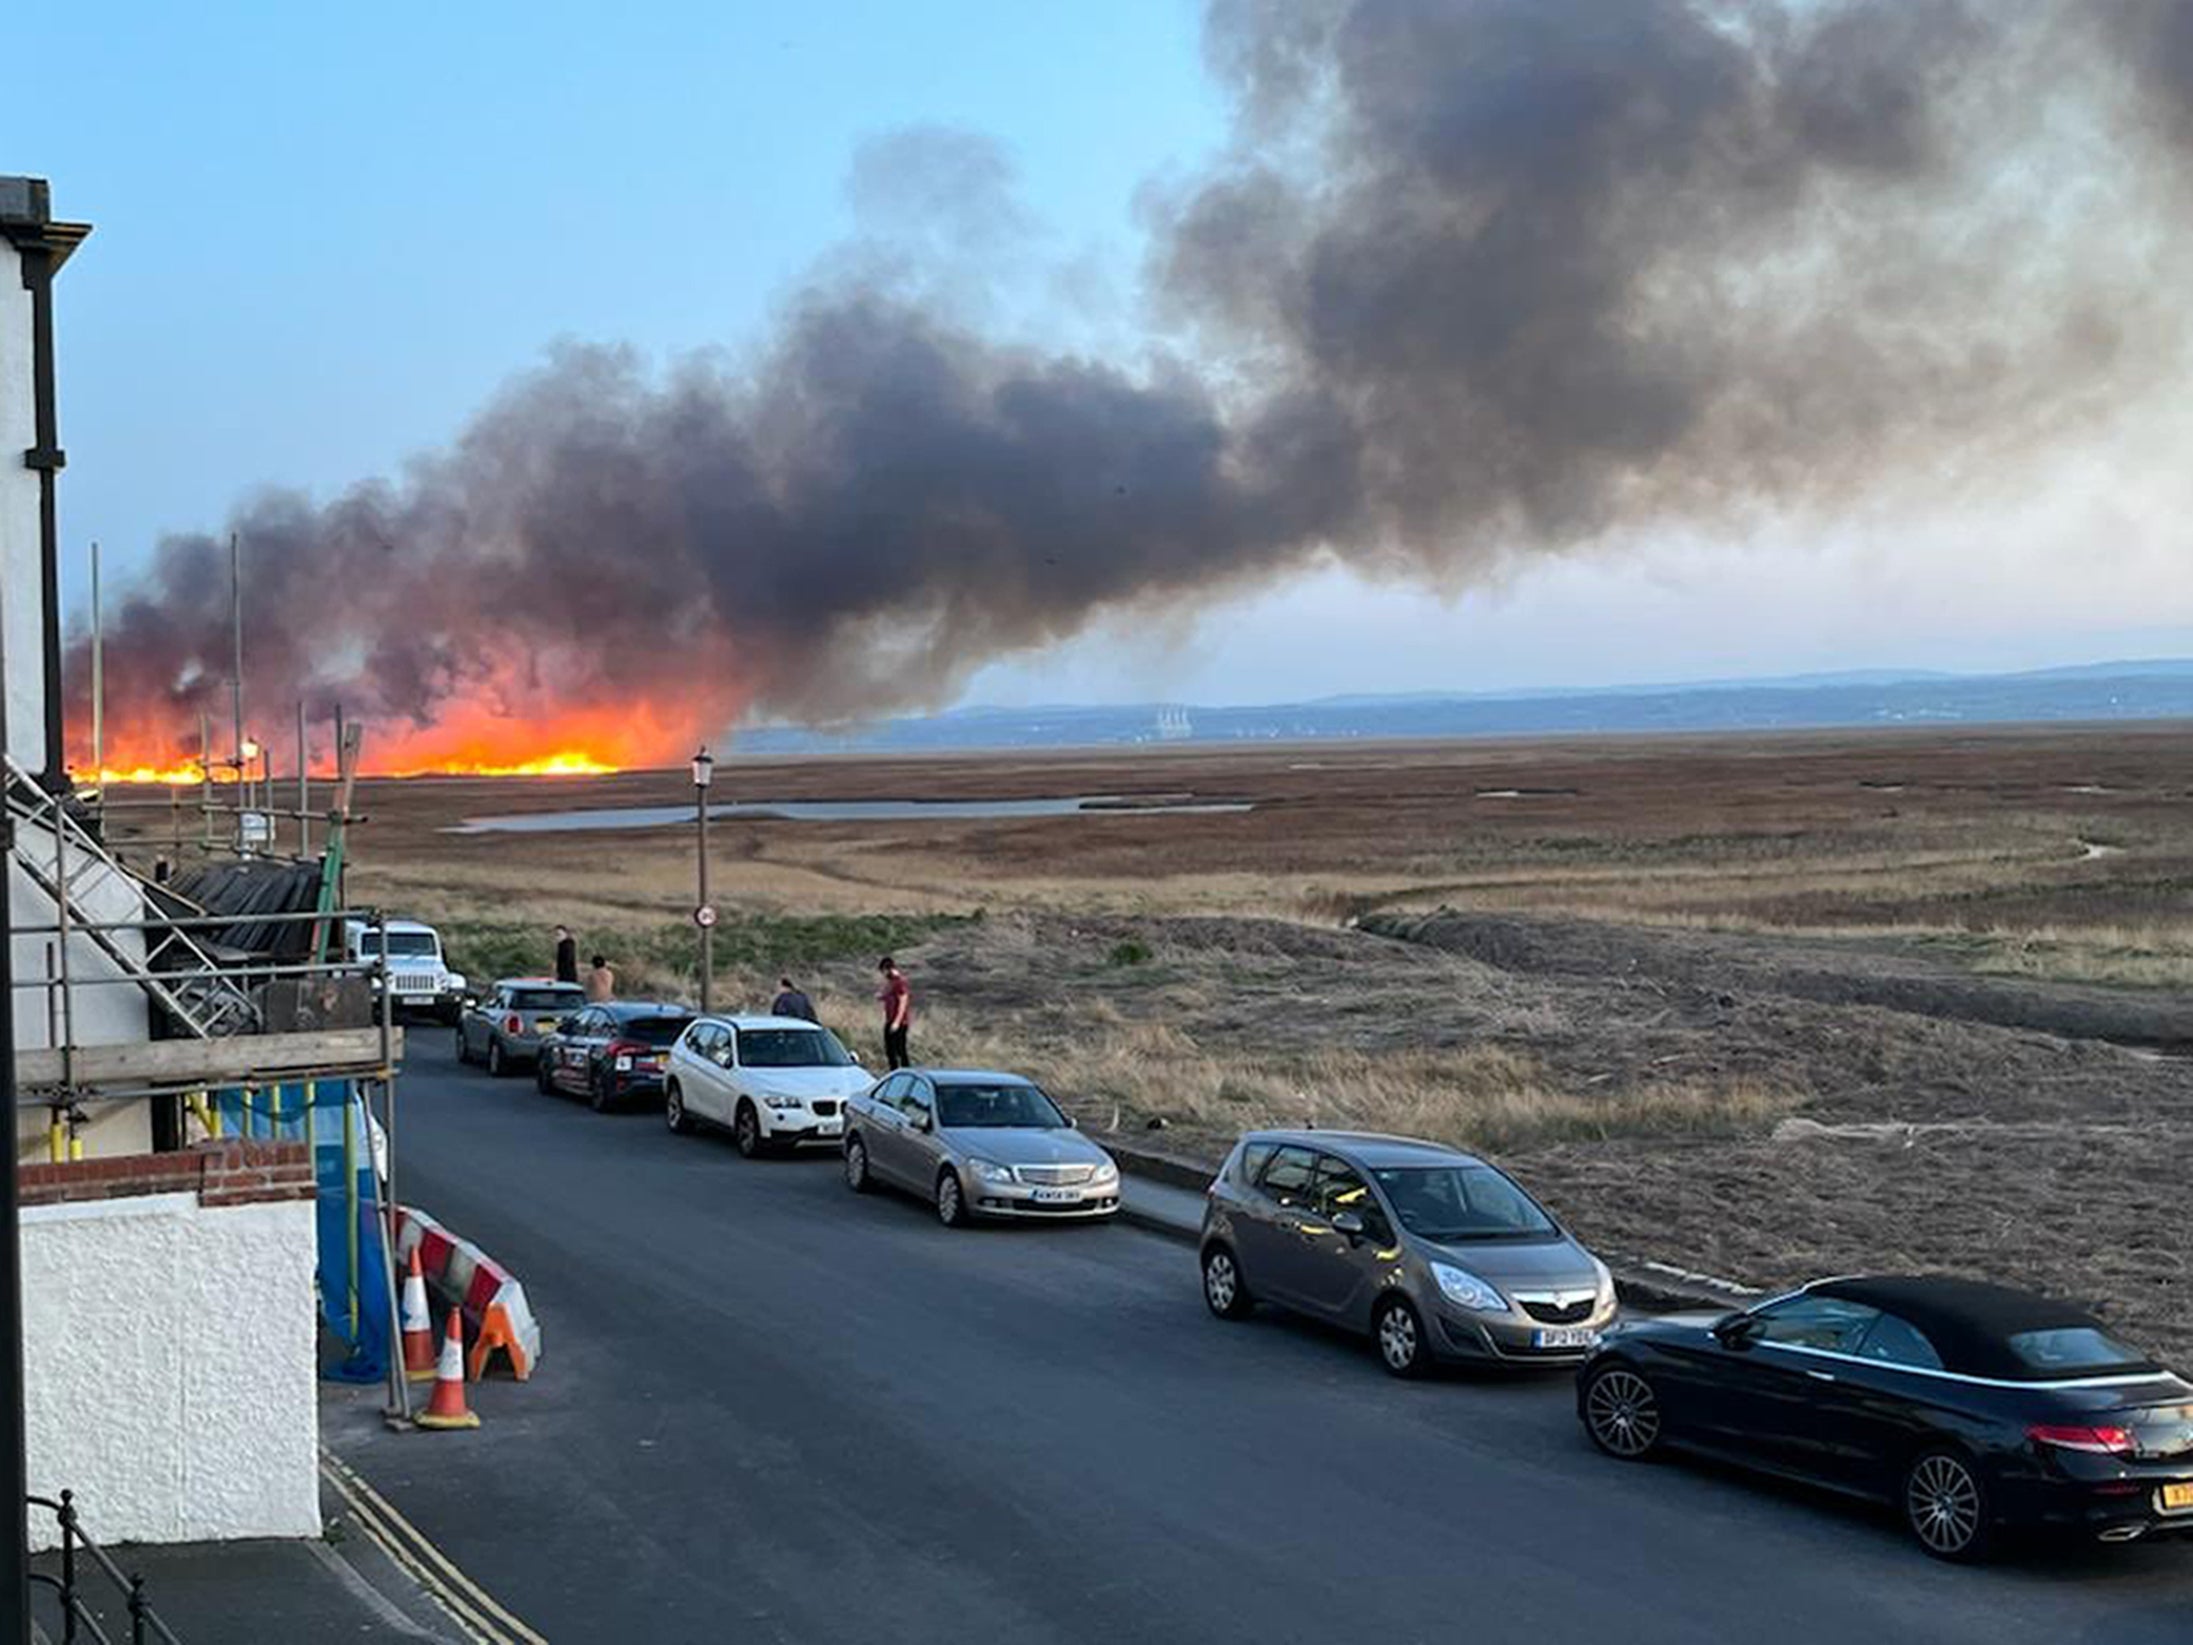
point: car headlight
(624, 1064)
(989, 1170)
(1107, 1172)
(1605, 1277)
(781, 1101)
(1465, 1290)
(454, 981)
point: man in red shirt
(897, 999)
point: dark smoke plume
(1476, 278)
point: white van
(421, 980)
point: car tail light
(512, 1024)
(2110, 1442)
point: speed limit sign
(704, 916)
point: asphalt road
(771, 1410)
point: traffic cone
(447, 1407)
(418, 1328)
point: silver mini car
(1433, 1253)
(976, 1145)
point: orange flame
(569, 762)
(505, 730)
(178, 776)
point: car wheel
(1223, 1290)
(598, 1095)
(1622, 1413)
(544, 1081)
(1945, 1505)
(1400, 1338)
(951, 1200)
(673, 1110)
(746, 1131)
(856, 1166)
(463, 1055)
(497, 1064)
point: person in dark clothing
(897, 998)
(567, 955)
(792, 1002)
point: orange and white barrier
(492, 1300)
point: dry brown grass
(1118, 1074)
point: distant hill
(2134, 690)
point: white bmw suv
(773, 1082)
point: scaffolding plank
(242, 1059)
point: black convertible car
(1972, 1409)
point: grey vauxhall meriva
(1430, 1251)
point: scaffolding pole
(98, 685)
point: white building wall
(99, 1013)
(96, 1009)
(22, 585)
(169, 1372)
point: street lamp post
(704, 917)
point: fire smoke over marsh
(1474, 279)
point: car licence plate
(545, 1025)
(1056, 1196)
(1563, 1336)
(2178, 1499)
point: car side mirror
(563, 1024)
(925, 1122)
(855, 1055)
(1736, 1331)
(1349, 1223)
(1072, 1124)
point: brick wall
(228, 1172)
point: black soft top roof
(1971, 1322)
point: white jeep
(420, 980)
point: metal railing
(78, 1620)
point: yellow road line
(451, 1583)
(474, 1628)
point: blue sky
(325, 235)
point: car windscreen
(415, 943)
(653, 1030)
(558, 1000)
(996, 1105)
(2075, 1351)
(791, 1048)
(1462, 1202)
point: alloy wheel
(951, 1204)
(1223, 1292)
(1400, 1340)
(497, 1064)
(856, 1166)
(463, 1056)
(1942, 1504)
(1623, 1414)
(673, 1109)
(747, 1131)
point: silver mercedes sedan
(976, 1144)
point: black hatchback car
(611, 1054)
(1972, 1409)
